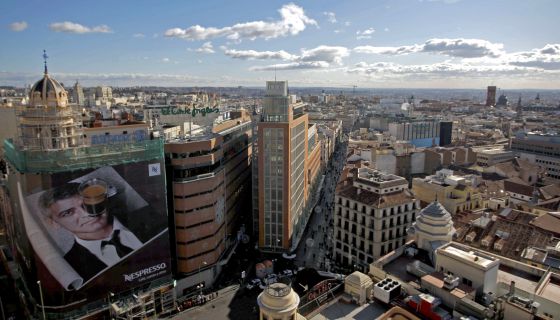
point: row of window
(384, 212)
(352, 227)
(385, 236)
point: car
(288, 272)
(253, 283)
(271, 278)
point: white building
(474, 268)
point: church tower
(48, 122)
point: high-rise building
(519, 109)
(491, 96)
(445, 133)
(78, 94)
(289, 160)
(209, 179)
(373, 209)
(104, 93)
(87, 225)
(420, 132)
(540, 149)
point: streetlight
(42, 302)
(2, 308)
(109, 295)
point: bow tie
(115, 241)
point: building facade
(372, 212)
(209, 178)
(455, 193)
(85, 219)
(540, 149)
(491, 96)
(289, 161)
(420, 132)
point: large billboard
(98, 231)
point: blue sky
(385, 43)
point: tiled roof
(434, 209)
(548, 222)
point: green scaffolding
(71, 159)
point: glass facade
(273, 186)
(297, 170)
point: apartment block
(373, 210)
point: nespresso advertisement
(99, 231)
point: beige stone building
(278, 301)
(455, 193)
(372, 212)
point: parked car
(288, 273)
(271, 278)
(253, 283)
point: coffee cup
(94, 196)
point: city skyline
(385, 44)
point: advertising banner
(98, 231)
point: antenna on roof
(45, 57)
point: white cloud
(366, 34)
(293, 66)
(464, 48)
(347, 23)
(293, 21)
(138, 35)
(337, 31)
(331, 17)
(18, 26)
(441, 70)
(547, 58)
(461, 48)
(387, 50)
(206, 48)
(259, 55)
(165, 60)
(325, 53)
(320, 57)
(71, 27)
(386, 29)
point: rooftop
(377, 176)
(346, 311)
(464, 254)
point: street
(314, 248)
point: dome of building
(358, 279)
(48, 92)
(278, 301)
(433, 227)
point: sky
(316, 43)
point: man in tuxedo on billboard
(100, 240)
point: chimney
(512, 288)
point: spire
(45, 57)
